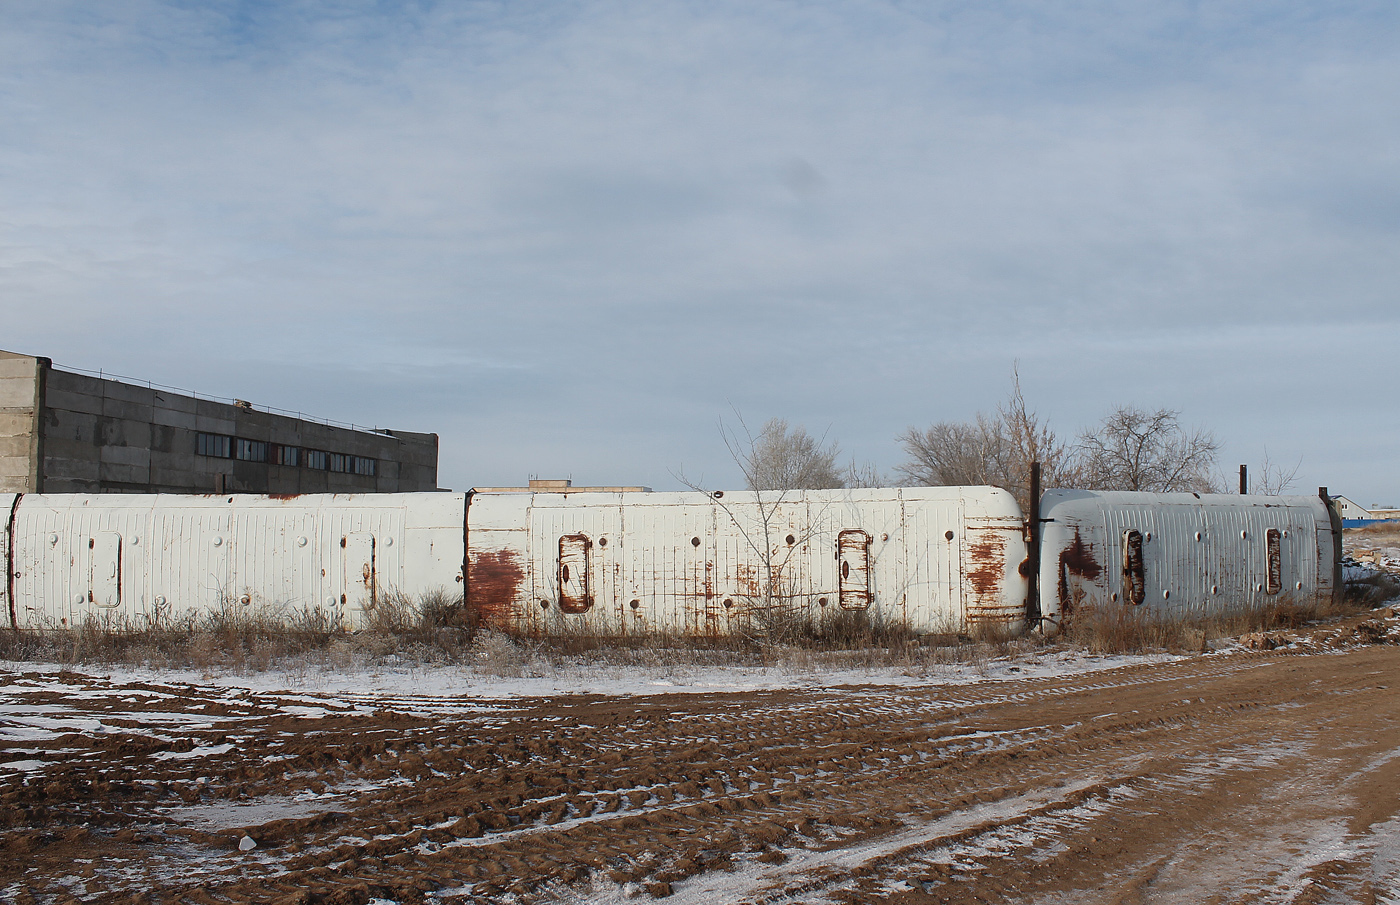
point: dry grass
(1120, 630)
(426, 630)
(432, 630)
(1380, 530)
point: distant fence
(1363, 522)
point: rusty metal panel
(1181, 554)
(935, 559)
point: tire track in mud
(1033, 790)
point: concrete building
(65, 432)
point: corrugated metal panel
(1201, 554)
(701, 565)
(134, 560)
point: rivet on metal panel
(884, 537)
(821, 601)
(1243, 535)
(330, 601)
(728, 603)
(245, 600)
(218, 541)
(1166, 595)
(695, 541)
(301, 542)
(602, 541)
(1215, 589)
(544, 604)
(634, 604)
(53, 539)
(947, 535)
(1198, 535)
(1258, 588)
(1298, 586)
(1113, 597)
(77, 598)
(160, 600)
(1147, 537)
(136, 541)
(388, 541)
(790, 540)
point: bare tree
(1270, 478)
(783, 457)
(995, 449)
(864, 475)
(1134, 449)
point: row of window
(222, 447)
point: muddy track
(1239, 777)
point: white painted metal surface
(1199, 553)
(614, 564)
(132, 560)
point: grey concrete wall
(19, 437)
(106, 436)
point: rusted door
(105, 569)
(361, 580)
(1273, 551)
(853, 554)
(1134, 574)
(574, 593)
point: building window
(317, 459)
(250, 450)
(288, 455)
(363, 466)
(340, 463)
(215, 445)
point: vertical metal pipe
(1033, 554)
(1244, 479)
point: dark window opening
(250, 450)
(216, 445)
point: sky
(574, 239)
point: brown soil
(1260, 775)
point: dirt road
(1239, 776)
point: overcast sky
(572, 237)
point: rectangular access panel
(1134, 575)
(853, 554)
(574, 595)
(105, 569)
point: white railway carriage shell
(133, 560)
(1183, 554)
(696, 564)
